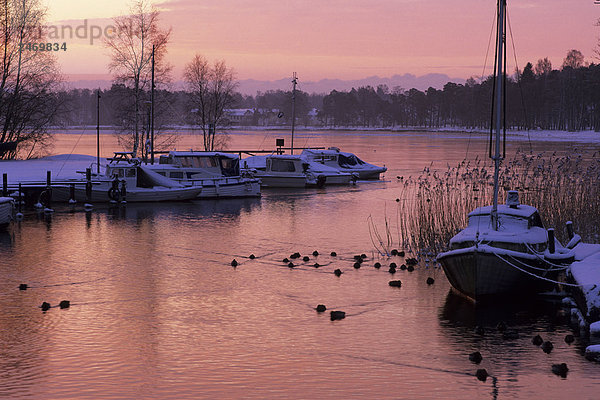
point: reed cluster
(433, 207)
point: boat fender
(321, 181)
(113, 194)
(123, 189)
(43, 198)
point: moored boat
(6, 211)
(517, 257)
(217, 173)
(288, 170)
(504, 249)
(127, 180)
(344, 162)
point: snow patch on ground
(62, 166)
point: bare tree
(131, 46)
(29, 80)
(543, 67)
(574, 59)
(211, 91)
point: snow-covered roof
(193, 153)
(6, 200)
(522, 211)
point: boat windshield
(506, 222)
(282, 165)
(197, 162)
(230, 166)
(349, 160)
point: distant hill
(406, 81)
(251, 86)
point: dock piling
(4, 184)
(48, 189)
(88, 185)
(570, 229)
(551, 247)
(20, 201)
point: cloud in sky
(349, 39)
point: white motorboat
(285, 170)
(505, 248)
(217, 173)
(344, 162)
(127, 180)
(6, 211)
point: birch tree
(29, 79)
(211, 90)
(130, 47)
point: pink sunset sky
(344, 39)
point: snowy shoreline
(588, 136)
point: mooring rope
(537, 254)
(534, 275)
(562, 267)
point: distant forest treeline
(541, 98)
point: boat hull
(136, 195)
(228, 187)
(365, 174)
(480, 275)
(6, 211)
(275, 181)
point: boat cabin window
(176, 175)
(163, 173)
(282, 165)
(535, 220)
(326, 157)
(197, 162)
(229, 166)
(123, 173)
(207, 162)
(164, 159)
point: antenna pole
(294, 83)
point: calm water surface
(158, 312)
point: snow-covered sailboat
(505, 248)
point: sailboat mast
(152, 112)
(98, 132)
(294, 83)
(498, 103)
